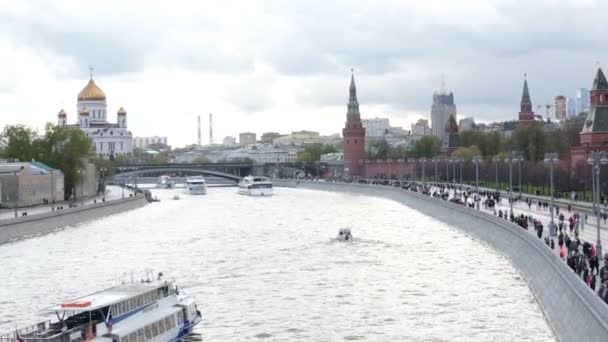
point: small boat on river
(344, 234)
(130, 312)
(255, 186)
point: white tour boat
(164, 182)
(196, 185)
(131, 312)
(255, 186)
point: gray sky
(285, 65)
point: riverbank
(573, 311)
(43, 223)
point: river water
(270, 269)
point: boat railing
(43, 332)
(30, 333)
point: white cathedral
(109, 139)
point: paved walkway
(112, 193)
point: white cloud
(282, 66)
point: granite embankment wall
(27, 226)
(573, 311)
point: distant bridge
(233, 172)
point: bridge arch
(126, 174)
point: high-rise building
(466, 124)
(247, 138)
(376, 128)
(571, 107)
(526, 115)
(443, 106)
(582, 100)
(353, 134)
(143, 142)
(268, 137)
(421, 127)
(561, 110)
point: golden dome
(62, 112)
(84, 111)
(122, 111)
(91, 93)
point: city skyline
(285, 69)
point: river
(270, 269)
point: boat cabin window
(148, 331)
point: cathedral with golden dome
(109, 139)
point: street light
(461, 161)
(551, 159)
(436, 161)
(400, 161)
(453, 161)
(596, 159)
(423, 162)
(496, 160)
(360, 168)
(519, 161)
(52, 190)
(476, 160)
(412, 161)
(366, 161)
(16, 174)
(103, 183)
(81, 176)
(511, 158)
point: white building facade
(143, 142)
(376, 127)
(109, 139)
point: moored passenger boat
(256, 186)
(133, 312)
(196, 185)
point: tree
(313, 152)
(18, 141)
(201, 160)
(467, 153)
(428, 147)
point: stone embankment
(28, 226)
(573, 311)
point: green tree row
(59, 147)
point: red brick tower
(353, 134)
(526, 115)
(594, 136)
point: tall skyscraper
(526, 115)
(571, 107)
(561, 110)
(582, 100)
(443, 106)
(353, 133)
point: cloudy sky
(285, 65)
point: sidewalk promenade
(112, 193)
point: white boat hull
(196, 189)
(256, 192)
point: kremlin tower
(594, 136)
(353, 134)
(526, 115)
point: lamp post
(511, 158)
(81, 176)
(461, 162)
(412, 162)
(423, 163)
(453, 161)
(103, 172)
(123, 187)
(388, 168)
(360, 168)
(496, 160)
(16, 173)
(366, 161)
(436, 161)
(519, 161)
(597, 159)
(447, 171)
(476, 160)
(551, 159)
(52, 190)
(400, 161)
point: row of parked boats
(196, 185)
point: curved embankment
(573, 311)
(26, 226)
